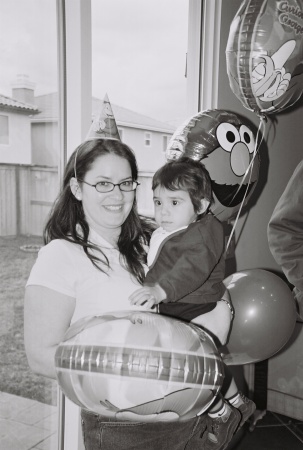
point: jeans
(102, 433)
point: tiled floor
(272, 432)
(29, 425)
(26, 424)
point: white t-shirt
(64, 267)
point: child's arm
(148, 295)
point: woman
(93, 260)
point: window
(151, 84)
(120, 133)
(147, 139)
(28, 59)
(4, 133)
(148, 90)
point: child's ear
(75, 188)
(204, 204)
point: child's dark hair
(187, 175)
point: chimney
(23, 89)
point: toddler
(186, 272)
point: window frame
(75, 91)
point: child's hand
(148, 296)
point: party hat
(104, 124)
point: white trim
(75, 74)
(203, 55)
(72, 430)
(78, 71)
(211, 25)
(193, 56)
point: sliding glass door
(29, 152)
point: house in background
(15, 114)
(37, 119)
(29, 152)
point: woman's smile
(113, 208)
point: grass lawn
(15, 374)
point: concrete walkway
(27, 424)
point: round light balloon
(139, 366)
(265, 316)
(226, 146)
(264, 54)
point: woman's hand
(148, 296)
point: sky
(138, 52)
(28, 43)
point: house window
(147, 139)
(4, 130)
(165, 142)
(120, 133)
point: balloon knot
(262, 116)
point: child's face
(173, 209)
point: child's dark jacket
(190, 264)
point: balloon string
(249, 169)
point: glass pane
(28, 185)
(139, 60)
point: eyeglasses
(107, 186)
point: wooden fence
(27, 193)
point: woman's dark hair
(187, 175)
(67, 220)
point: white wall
(19, 148)
(45, 143)
(149, 158)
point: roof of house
(10, 103)
(129, 118)
(48, 107)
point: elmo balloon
(226, 146)
(139, 366)
(265, 316)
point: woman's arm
(47, 316)
(285, 230)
